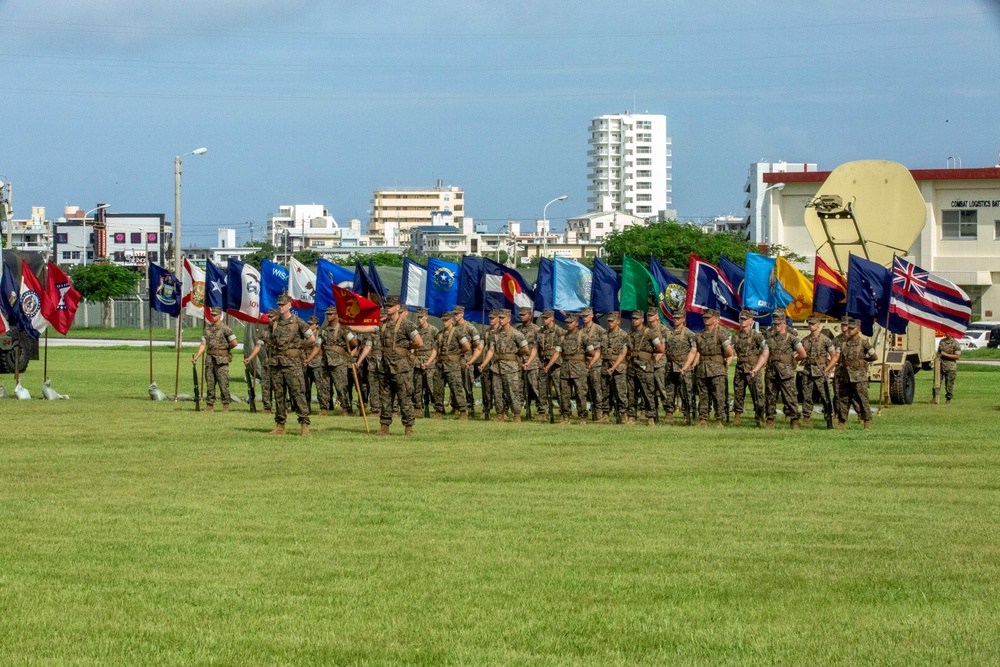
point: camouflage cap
(445, 317)
(548, 313)
(779, 313)
(679, 312)
(653, 312)
(846, 320)
(391, 300)
(284, 300)
(505, 312)
(421, 312)
(331, 310)
(710, 312)
(745, 315)
(812, 319)
(458, 309)
(496, 313)
(215, 311)
(614, 316)
(638, 315)
(854, 322)
(525, 311)
(312, 320)
(586, 311)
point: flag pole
(884, 385)
(357, 383)
(150, 317)
(45, 365)
(177, 339)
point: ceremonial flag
(31, 299)
(606, 285)
(413, 289)
(377, 281)
(215, 288)
(470, 288)
(329, 274)
(829, 291)
(301, 288)
(273, 283)
(543, 285)
(638, 286)
(354, 310)
(364, 286)
(572, 283)
(10, 304)
(734, 274)
(505, 288)
(4, 326)
(761, 292)
(243, 292)
(928, 300)
(869, 286)
(164, 292)
(442, 286)
(671, 292)
(193, 290)
(798, 304)
(62, 299)
(709, 288)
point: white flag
(301, 285)
(193, 289)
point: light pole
(545, 224)
(498, 241)
(177, 206)
(250, 224)
(758, 222)
(85, 242)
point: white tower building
(630, 164)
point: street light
(507, 227)
(758, 223)
(85, 242)
(545, 224)
(177, 206)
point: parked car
(975, 339)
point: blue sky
(308, 101)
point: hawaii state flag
(928, 300)
(62, 299)
(32, 298)
(829, 291)
(354, 310)
(243, 292)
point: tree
(673, 244)
(264, 251)
(308, 257)
(104, 282)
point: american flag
(928, 300)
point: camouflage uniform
(678, 344)
(532, 387)
(614, 389)
(573, 374)
(424, 379)
(749, 345)
(314, 374)
(217, 357)
(949, 367)
(266, 343)
(659, 364)
(507, 347)
(781, 374)
(643, 347)
(486, 378)
(336, 365)
(370, 371)
(289, 337)
(550, 342)
(818, 348)
(450, 365)
(711, 372)
(854, 353)
(593, 336)
(396, 369)
(468, 330)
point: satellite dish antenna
(869, 208)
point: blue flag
(543, 285)
(604, 291)
(739, 279)
(164, 291)
(505, 288)
(572, 285)
(11, 304)
(215, 288)
(708, 288)
(377, 281)
(470, 288)
(442, 286)
(328, 274)
(869, 288)
(671, 292)
(364, 286)
(273, 281)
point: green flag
(637, 286)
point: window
(61, 238)
(76, 254)
(959, 224)
(151, 237)
(136, 237)
(643, 209)
(119, 255)
(644, 136)
(644, 173)
(996, 229)
(644, 125)
(154, 256)
(66, 254)
(119, 237)
(644, 197)
(644, 162)
(643, 150)
(643, 185)
(599, 225)
(90, 254)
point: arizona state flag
(830, 292)
(354, 310)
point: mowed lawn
(137, 532)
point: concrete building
(407, 208)
(33, 235)
(127, 239)
(630, 165)
(960, 240)
(593, 227)
(225, 248)
(725, 223)
(755, 190)
(304, 227)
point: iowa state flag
(830, 291)
(354, 310)
(243, 292)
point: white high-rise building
(630, 164)
(757, 215)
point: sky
(323, 101)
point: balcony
(597, 151)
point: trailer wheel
(901, 385)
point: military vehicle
(18, 348)
(874, 209)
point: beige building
(960, 240)
(413, 207)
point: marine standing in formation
(549, 350)
(715, 350)
(573, 373)
(644, 344)
(452, 346)
(314, 374)
(337, 361)
(506, 345)
(680, 353)
(855, 353)
(593, 336)
(786, 350)
(218, 340)
(531, 368)
(290, 336)
(751, 356)
(821, 354)
(399, 337)
(614, 360)
(425, 363)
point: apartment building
(629, 163)
(407, 208)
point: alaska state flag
(709, 288)
(605, 288)
(164, 291)
(442, 286)
(243, 292)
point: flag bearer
(218, 340)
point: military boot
(737, 418)
(517, 419)
(702, 423)
(500, 418)
(564, 419)
(718, 423)
(769, 426)
(807, 423)
(384, 430)
(840, 426)
(225, 407)
(541, 418)
(305, 430)
(267, 411)
(868, 426)
(650, 422)
(583, 421)
(278, 430)
(630, 421)
(408, 430)
(795, 424)
(669, 419)
(438, 415)
(323, 412)
(604, 419)
(210, 408)
(463, 417)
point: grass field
(145, 533)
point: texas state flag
(243, 292)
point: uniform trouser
(396, 385)
(468, 386)
(487, 390)
(551, 386)
(712, 392)
(508, 394)
(614, 394)
(265, 386)
(216, 372)
(678, 386)
(595, 385)
(337, 378)
(660, 386)
(743, 381)
(423, 384)
(567, 386)
(374, 389)
(532, 386)
(812, 384)
(314, 376)
(853, 392)
(948, 380)
(786, 387)
(643, 392)
(452, 377)
(289, 381)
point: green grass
(982, 353)
(145, 533)
(128, 333)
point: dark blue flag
(327, 275)
(11, 304)
(364, 286)
(377, 281)
(470, 288)
(543, 285)
(215, 288)
(164, 291)
(708, 287)
(442, 286)
(604, 288)
(869, 288)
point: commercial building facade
(406, 208)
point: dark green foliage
(673, 243)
